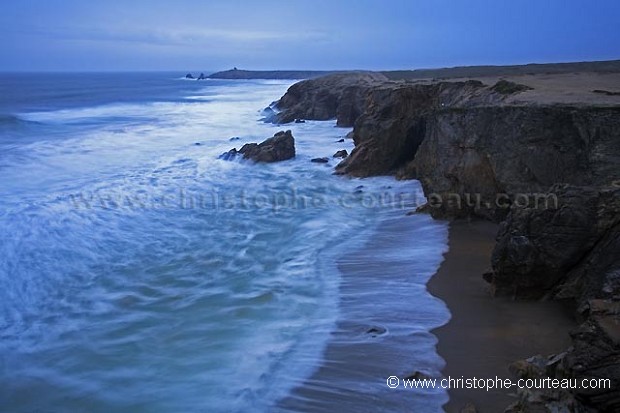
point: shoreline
(384, 326)
(486, 334)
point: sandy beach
(486, 334)
(386, 316)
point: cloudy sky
(83, 35)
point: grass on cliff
(506, 87)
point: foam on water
(140, 273)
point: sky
(201, 35)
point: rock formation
(338, 95)
(548, 250)
(280, 147)
(319, 160)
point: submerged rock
(319, 160)
(376, 331)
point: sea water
(140, 273)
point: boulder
(189, 76)
(280, 147)
(341, 154)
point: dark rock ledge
(549, 173)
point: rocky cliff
(341, 96)
(549, 172)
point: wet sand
(486, 334)
(386, 315)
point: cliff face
(495, 152)
(565, 251)
(340, 96)
(550, 173)
(395, 122)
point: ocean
(140, 273)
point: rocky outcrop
(280, 147)
(340, 95)
(587, 374)
(595, 355)
(395, 123)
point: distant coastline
(269, 74)
(604, 66)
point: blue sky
(72, 35)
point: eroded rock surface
(340, 95)
(280, 147)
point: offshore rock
(280, 147)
